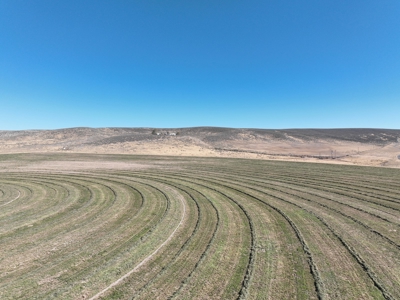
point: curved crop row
(201, 229)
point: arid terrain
(371, 147)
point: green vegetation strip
(199, 228)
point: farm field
(86, 226)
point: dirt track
(16, 198)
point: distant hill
(83, 135)
(211, 141)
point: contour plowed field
(200, 229)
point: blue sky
(248, 64)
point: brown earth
(374, 147)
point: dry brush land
(144, 227)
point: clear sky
(248, 64)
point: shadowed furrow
(199, 228)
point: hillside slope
(357, 145)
